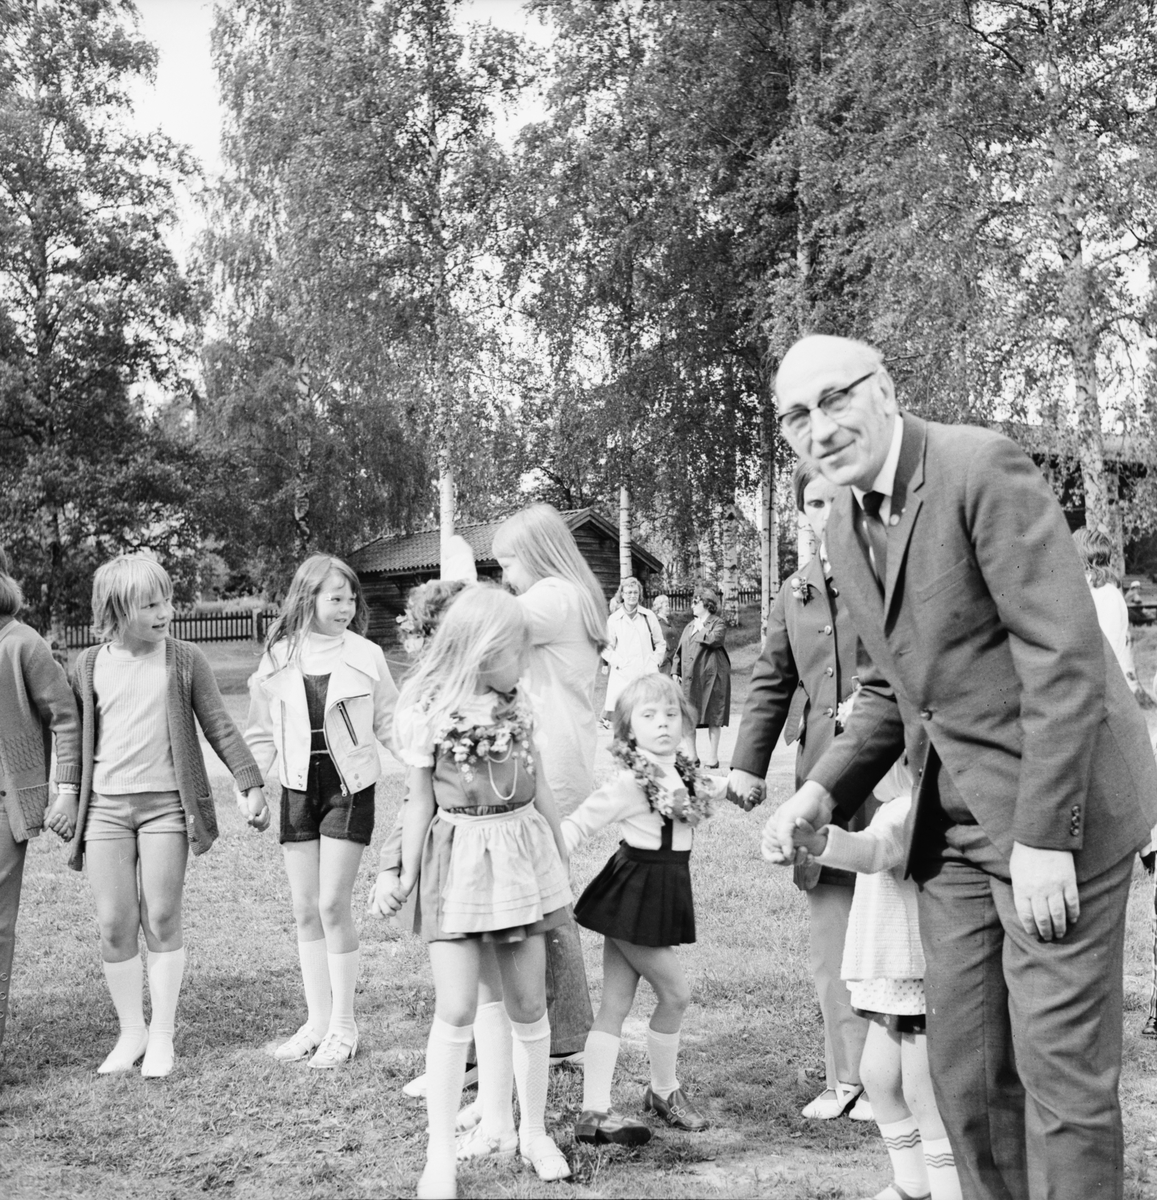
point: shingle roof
(420, 551)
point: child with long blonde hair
(482, 839)
(144, 795)
(321, 702)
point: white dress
(560, 686)
(635, 646)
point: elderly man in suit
(1035, 782)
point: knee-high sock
(942, 1176)
(531, 1054)
(166, 970)
(343, 981)
(125, 985)
(445, 1072)
(600, 1056)
(902, 1139)
(315, 977)
(494, 1048)
(663, 1051)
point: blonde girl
(481, 833)
(321, 702)
(36, 706)
(641, 903)
(144, 795)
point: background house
(390, 566)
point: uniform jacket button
(828, 671)
(835, 590)
(829, 712)
(827, 629)
(925, 714)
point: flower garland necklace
(691, 803)
(494, 741)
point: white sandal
(336, 1050)
(476, 1144)
(438, 1181)
(303, 1043)
(546, 1158)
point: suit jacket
(807, 668)
(986, 647)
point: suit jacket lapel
(906, 501)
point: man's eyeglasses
(796, 422)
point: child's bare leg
(455, 966)
(338, 863)
(523, 968)
(661, 968)
(882, 1076)
(938, 1159)
(302, 868)
(112, 873)
(163, 857)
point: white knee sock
(343, 980)
(445, 1072)
(663, 1051)
(166, 970)
(315, 977)
(600, 1055)
(493, 1046)
(125, 985)
(942, 1177)
(902, 1139)
(531, 1054)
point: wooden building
(390, 566)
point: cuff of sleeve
(415, 758)
(68, 773)
(248, 777)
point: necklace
(692, 803)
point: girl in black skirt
(641, 903)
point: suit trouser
(1024, 1036)
(828, 907)
(568, 999)
(12, 855)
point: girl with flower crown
(481, 840)
(641, 903)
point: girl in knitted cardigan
(884, 968)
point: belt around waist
(638, 854)
(491, 813)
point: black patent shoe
(604, 1129)
(677, 1110)
(1149, 1029)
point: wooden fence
(233, 625)
(681, 598)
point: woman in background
(703, 666)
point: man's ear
(888, 388)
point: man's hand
(745, 789)
(1044, 890)
(812, 804)
(814, 841)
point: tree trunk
(445, 504)
(625, 565)
(768, 533)
(730, 577)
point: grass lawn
(233, 1121)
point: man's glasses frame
(796, 422)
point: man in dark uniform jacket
(1035, 782)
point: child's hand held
(812, 841)
(387, 897)
(62, 816)
(257, 813)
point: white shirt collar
(885, 481)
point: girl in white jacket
(321, 702)
(884, 969)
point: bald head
(837, 407)
(818, 361)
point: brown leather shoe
(677, 1110)
(603, 1129)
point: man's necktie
(877, 535)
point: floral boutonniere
(800, 588)
(496, 741)
(692, 803)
